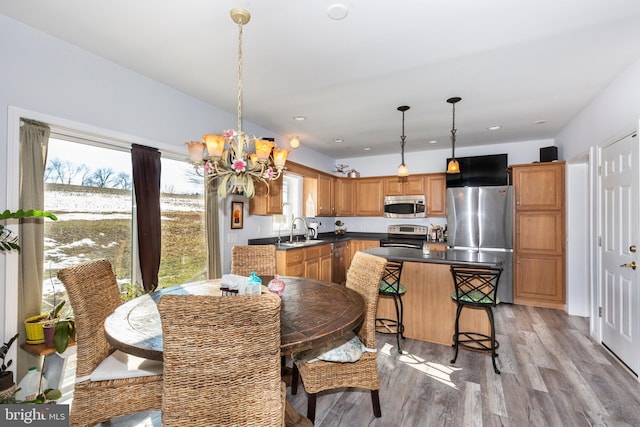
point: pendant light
(453, 166)
(403, 170)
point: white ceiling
(513, 62)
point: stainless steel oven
(405, 236)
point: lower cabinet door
(539, 279)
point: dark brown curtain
(146, 186)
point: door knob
(631, 264)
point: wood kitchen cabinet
(325, 205)
(344, 200)
(369, 195)
(539, 249)
(313, 262)
(320, 187)
(436, 190)
(402, 186)
(267, 200)
(360, 245)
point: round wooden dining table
(311, 313)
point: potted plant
(6, 376)
(64, 328)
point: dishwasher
(339, 262)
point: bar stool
(390, 286)
(475, 287)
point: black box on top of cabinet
(548, 154)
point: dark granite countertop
(450, 256)
(323, 238)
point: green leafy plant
(65, 327)
(131, 291)
(8, 239)
(6, 376)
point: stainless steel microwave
(405, 206)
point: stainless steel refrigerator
(481, 219)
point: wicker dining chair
(364, 277)
(248, 258)
(221, 361)
(94, 293)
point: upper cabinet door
(344, 196)
(436, 194)
(267, 200)
(410, 185)
(539, 186)
(325, 196)
(369, 195)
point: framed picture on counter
(237, 215)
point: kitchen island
(429, 312)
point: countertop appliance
(313, 229)
(405, 206)
(405, 236)
(480, 219)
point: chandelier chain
(240, 75)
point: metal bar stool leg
(493, 340)
(456, 333)
(399, 325)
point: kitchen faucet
(305, 226)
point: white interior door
(619, 281)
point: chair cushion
(475, 297)
(345, 350)
(387, 289)
(121, 365)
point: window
(88, 185)
(291, 208)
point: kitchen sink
(302, 243)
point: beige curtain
(212, 222)
(34, 139)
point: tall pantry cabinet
(539, 258)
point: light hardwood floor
(553, 374)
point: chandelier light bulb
(294, 142)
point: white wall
(613, 114)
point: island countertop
(450, 256)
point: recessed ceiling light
(433, 141)
(540, 122)
(366, 149)
(337, 11)
(338, 140)
(299, 118)
(494, 127)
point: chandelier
(236, 160)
